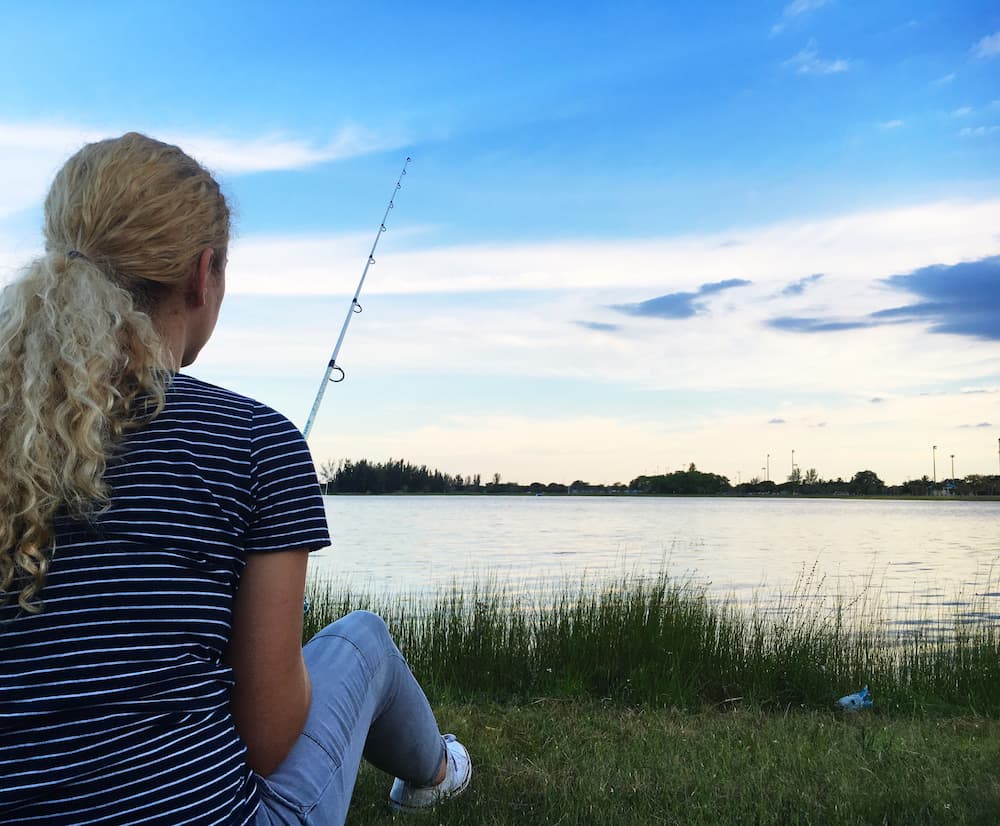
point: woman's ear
(197, 292)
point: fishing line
(355, 307)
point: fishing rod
(355, 307)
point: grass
(580, 762)
(645, 702)
(661, 644)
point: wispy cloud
(282, 152)
(944, 80)
(979, 131)
(680, 305)
(776, 421)
(30, 153)
(599, 326)
(962, 111)
(890, 124)
(808, 62)
(988, 47)
(795, 9)
(799, 287)
(981, 424)
(805, 324)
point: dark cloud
(679, 305)
(876, 400)
(961, 299)
(958, 299)
(981, 424)
(776, 421)
(799, 287)
(599, 326)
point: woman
(154, 532)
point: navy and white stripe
(114, 700)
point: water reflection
(912, 564)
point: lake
(921, 561)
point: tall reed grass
(658, 642)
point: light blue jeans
(365, 703)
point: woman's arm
(271, 697)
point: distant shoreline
(529, 494)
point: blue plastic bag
(857, 701)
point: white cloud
(726, 372)
(944, 80)
(962, 111)
(988, 47)
(979, 131)
(808, 62)
(278, 152)
(856, 246)
(796, 9)
(30, 153)
(893, 438)
(891, 124)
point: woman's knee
(366, 623)
(363, 630)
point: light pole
(934, 463)
(767, 477)
(953, 466)
(793, 461)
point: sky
(631, 236)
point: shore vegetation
(646, 701)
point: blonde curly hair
(81, 361)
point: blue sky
(632, 236)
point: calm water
(918, 560)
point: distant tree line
(398, 476)
(392, 476)
(867, 483)
(691, 482)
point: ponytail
(81, 362)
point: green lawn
(587, 762)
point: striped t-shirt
(114, 699)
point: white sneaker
(405, 797)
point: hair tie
(76, 254)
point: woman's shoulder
(185, 388)
(189, 396)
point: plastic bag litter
(857, 701)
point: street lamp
(952, 465)
(767, 477)
(934, 462)
(793, 461)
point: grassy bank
(658, 644)
(643, 702)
